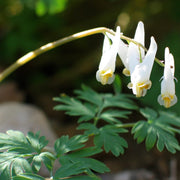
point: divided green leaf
(120, 101)
(22, 154)
(78, 162)
(74, 159)
(112, 116)
(157, 130)
(109, 138)
(75, 107)
(89, 95)
(15, 141)
(91, 129)
(64, 144)
(90, 105)
(12, 165)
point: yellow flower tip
(141, 88)
(130, 85)
(105, 76)
(167, 100)
(126, 72)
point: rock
(25, 118)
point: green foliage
(74, 160)
(65, 145)
(117, 84)
(104, 118)
(27, 176)
(109, 138)
(159, 128)
(90, 105)
(22, 157)
(50, 6)
(22, 154)
(74, 107)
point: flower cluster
(138, 64)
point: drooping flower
(167, 97)
(105, 73)
(140, 65)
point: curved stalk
(31, 55)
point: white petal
(148, 61)
(169, 62)
(106, 44)
(166, 54)
(98, 76)
(122, 52)
(168, 97)
(174, 100)
(160, 100)
(141, 73)
(144, 69)
(168, 86)
(108, 58)
(140, 36)
(135, 53)
(122, 48)
(116, 39)
(133, 57)
(105, 73)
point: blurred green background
(27, 24)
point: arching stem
(31, 55)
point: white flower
(140, 65)
(167, 97)
(105, 73)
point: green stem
(31, 55)
(99, 113)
